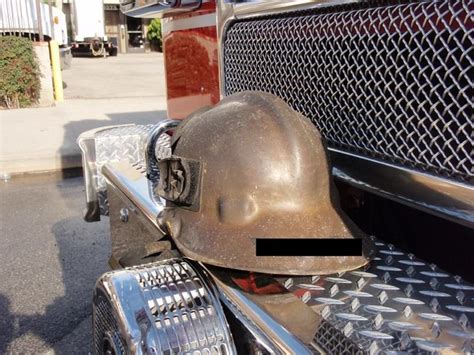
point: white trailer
(89, 29)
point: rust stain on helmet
(258, 169)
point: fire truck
(293, 125)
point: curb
(59, 163)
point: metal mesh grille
(392, 83)
(105, 323)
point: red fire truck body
(191, 60)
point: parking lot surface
(50, 259)
(124, 76)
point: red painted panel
(191, 65)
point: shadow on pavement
(6, 323)
(83, 257)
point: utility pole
(39, 20)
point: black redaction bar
(308, 247)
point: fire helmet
(251, 167)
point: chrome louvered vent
(392, 83)
(183, 309)
(159, 308)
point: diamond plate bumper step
(112, 144)
(398, 303)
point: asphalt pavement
(50, 261)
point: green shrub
(19, 73)
(154, 33)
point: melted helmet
(247, 168)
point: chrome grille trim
(411, 108)
(442, 197)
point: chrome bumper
(399, 303)
(104, 145)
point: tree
(154, 34)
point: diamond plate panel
(126, 143)
(398, 303)
(392, 83)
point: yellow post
(56, 69)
